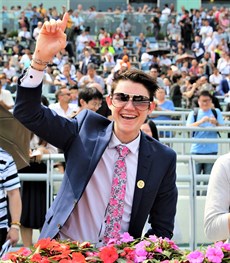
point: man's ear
(109, 101)
(152, 107)
(82, 103)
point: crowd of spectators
(195, 56)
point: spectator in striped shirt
(9, 186)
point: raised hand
(51, 40)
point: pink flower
(125, 237)
(140, 255)
(226, 246)
(143, 244)
(153, 238)
(195, 257)
(214, 254)
(222, 245)
(159, 250)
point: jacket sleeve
(43, 121)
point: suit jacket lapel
(99, 147)
(145, 161)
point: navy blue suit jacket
(83, 141)
(224, 86)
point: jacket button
(59, 226)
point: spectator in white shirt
(82, 40)
(215, 79)
(165, 61)
(223, 63)
(37, 30)
(78, 22)
(9, 70)
(24, 34)
(63, 107)
(205, 29)
(165, 13)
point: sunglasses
(140, 102)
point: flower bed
(127, 249)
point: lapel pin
(140, 184)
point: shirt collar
(133, 145)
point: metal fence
(95, 20)
(190, 207)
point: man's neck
(64, 106)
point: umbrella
(158, 52)
(14, 138)
(184, 57)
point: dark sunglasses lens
(140, 98)
(122, 96)
(141, 102)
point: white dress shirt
(59, 110)
(91, 208)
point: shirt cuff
(32, 78)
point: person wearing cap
(125, 60)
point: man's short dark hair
(89, 93)
(205, 93)
(75, 87)
(137, 76)
(155, 67)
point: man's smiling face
(128, 118)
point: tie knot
(122, 150)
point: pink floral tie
(116, 203)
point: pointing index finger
(64, 21)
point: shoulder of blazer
(94, 119)
(152, 145)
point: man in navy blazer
(225, 85)
(88, 142)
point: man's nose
(129, 104)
